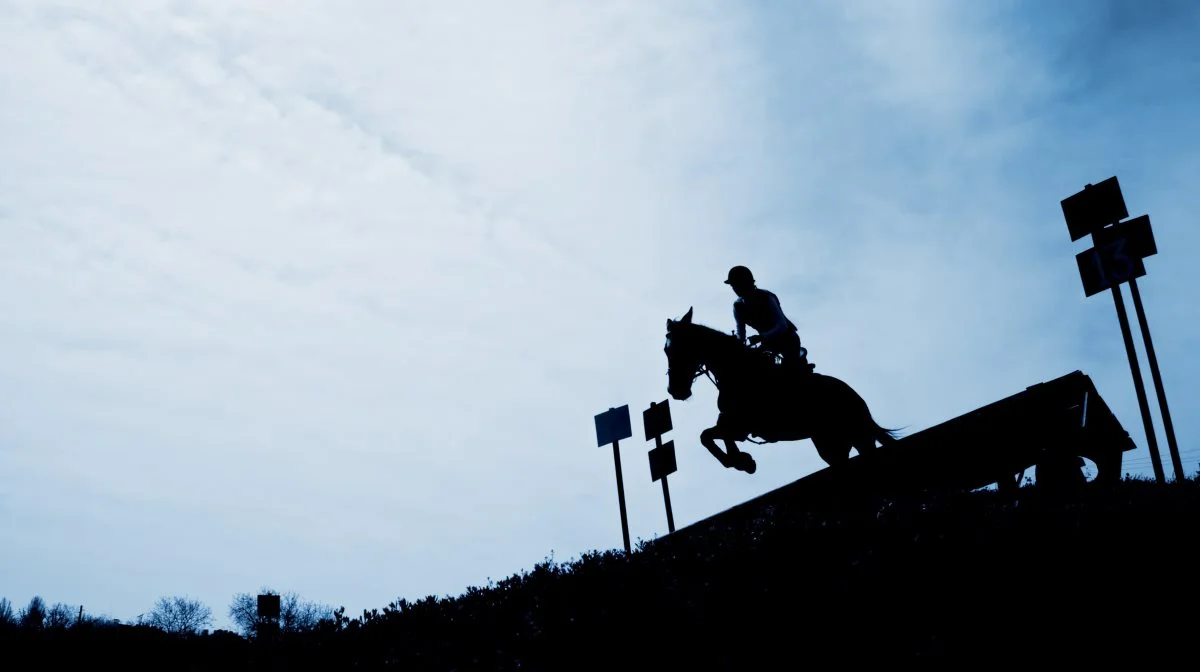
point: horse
(759, 398)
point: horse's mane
(715, 335)
(709, 331)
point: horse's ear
(687, 317)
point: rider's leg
(788, 346)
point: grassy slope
(1097, 576)
(972, 577)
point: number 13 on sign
(1103, 266)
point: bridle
(701, 370)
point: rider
(760, 309)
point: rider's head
(740, 279)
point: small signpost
(612, 426)
(1116, 257)
(268, 617)
(268, 606)
(657, 421)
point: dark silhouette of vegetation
(1098, 572)
(8, 619)
(33, 616)
(179, 615)
(295, 615)
(59, 616)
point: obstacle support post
(1139, 385)
(1172, 446)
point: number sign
(1117, 255)
(1139, 238)
(1105, 265)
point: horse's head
(683, 361)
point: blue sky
(324, 296)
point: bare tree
(60, 616)
(33, 617)
(243, 611)
(7, 617)
(295, 615)
(179, 615)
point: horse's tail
(883, 434)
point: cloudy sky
(325, 295)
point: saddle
(800, 366)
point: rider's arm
(737, 318)
(781, 322)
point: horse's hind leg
(831, 449)
(865, 442)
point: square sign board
(657, 419)
(268, 606)
(1134, 237)
(1096, 206)
(1117, 255)
(662, 461)
(1102, 268)
(613, 425)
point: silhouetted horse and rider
(760, 397)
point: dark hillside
(1099, 574)
(972, 577)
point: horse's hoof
(747, 464)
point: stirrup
(803, 363)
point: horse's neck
(727, 367)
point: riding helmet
(739, 275)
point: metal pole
(621, 494)
(1172, 446)
(667, 500)
(658, 443)
(1139, 386)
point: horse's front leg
(708, 438)
(732, 456)
(739, 459)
